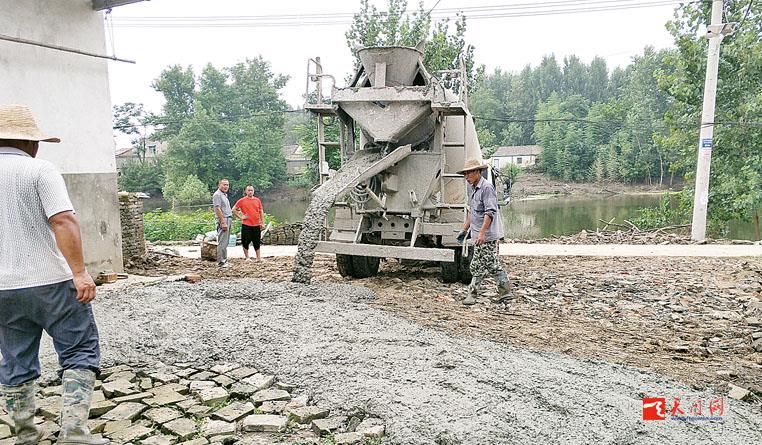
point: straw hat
(472, 164)
(17, 122)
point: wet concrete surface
(429, 386)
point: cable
(479, 13)
(748, 9)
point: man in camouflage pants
(486, 227)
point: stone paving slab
(157, 410)
(235, 411)
(183, 428)
(265, 423)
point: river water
(539, 218)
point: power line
(328, 19)
(746, 14)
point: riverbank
(531, 184)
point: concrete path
(607, 250)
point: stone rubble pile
(649, 237)
(190, 405)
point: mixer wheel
(344, 263)
(365, 266)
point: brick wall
(131, 215)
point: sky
(509, 43)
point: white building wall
(69, 97)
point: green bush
(670, 212)
(171, 226)
(146, 176)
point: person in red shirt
(249, 210)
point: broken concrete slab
(241, 373)
(324, 427)
(160, 439)
(130, 434)
(127, 375)
(348, 438)
(213, 396)
(118, 388)
(169, 387)
(162, 415)
(165, 398)
(217, 429)
(235, 411)
(738, 393)
(224, 368)
(138, 396)
(200, 385)
(224, 380)
(242, 390)
(182, 427)
(273, 406)
(164, 378)
(126, 411)
(100, 408)
(259, 381)
(116, 425)
(266, 395)
(96, 425)
(50, 407)
(199, 441)
(306, 414)
(265, 423)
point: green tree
(146, 177)
(131, 119)
(736, 179)
(229, 125)
(371, 27)
(178, 86)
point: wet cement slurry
(314, 218)
(428, 385)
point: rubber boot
(77, 395)
(504, 286)
(470, 299)
(19, 402)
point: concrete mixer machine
(409, 202)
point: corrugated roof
(517, 150)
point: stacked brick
(131, 216)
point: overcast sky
(506, 42)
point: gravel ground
(430, 387)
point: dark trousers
(25, 313)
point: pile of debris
(661, 236)
(192, 405)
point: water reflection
(540, 218)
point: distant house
(129, 154)
(297, 160)
(521, 155)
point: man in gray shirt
(224, 215)
(44, 285)
(486, 228)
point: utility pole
(715, 31)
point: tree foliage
(592, 125)
(223, 123)
(395, 26)
(736, 178)
(146, 177)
